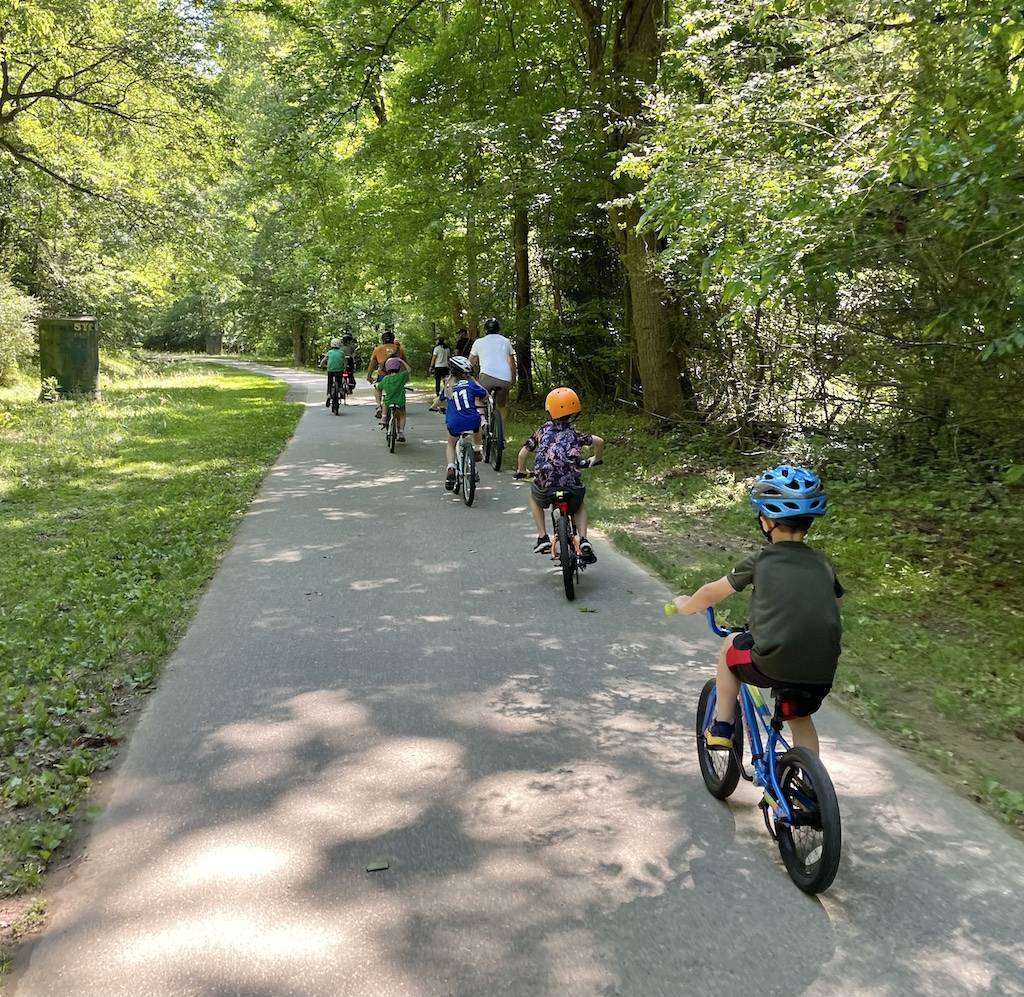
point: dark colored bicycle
(565, 538)
(494, 434)
(390, 427)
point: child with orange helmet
(557, 445)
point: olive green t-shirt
(794, 618)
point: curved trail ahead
(377, 672)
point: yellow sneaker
(718, 737)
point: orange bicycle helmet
(562, 402)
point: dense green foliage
(114, 515)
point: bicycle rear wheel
(468, 473)
(811, 846)
(567, 557)
(392, 434)
(719, 769)
(497, 435)
(334, 399)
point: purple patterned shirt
(557, 446)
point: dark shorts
(546, 497)
(798, 699)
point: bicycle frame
(764, 735)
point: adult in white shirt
(494, 359)
(439, 364)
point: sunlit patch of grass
(112, 517)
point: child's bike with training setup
(799, 804)
(565, 538)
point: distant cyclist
(557, 446)
(334, 358)
(492, 355)
(348, 347)
(466, 399)
(389, 347)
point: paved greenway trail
(378, 672)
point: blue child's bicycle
(799, 804)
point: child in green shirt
(334, 358)
(392, 389)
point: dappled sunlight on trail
(353, 695)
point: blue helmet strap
(767, 534)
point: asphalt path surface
(378, 674)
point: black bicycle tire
(334, 401)
(720, 787)
(566, 557)
(392, 431)
(821, 875)
(468, 474)
(497, 439)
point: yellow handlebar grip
(670, 609)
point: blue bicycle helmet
(785, 491)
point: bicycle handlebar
(670, 610)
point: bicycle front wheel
(392, 432)
(567, 557)
(812, 843)
(468, 474)
(497, 435)
(719, 769)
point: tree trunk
(636, 46)
(524, 336)
(659, 371)
(300, 337)
(472, 277)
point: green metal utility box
(69, 350)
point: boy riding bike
(467, 400)
(392, 389)
(557, 446)
(792, 644)
(348, 347)
(335, 360)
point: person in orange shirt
(389, 347)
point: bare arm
(707, 595)
(524, 453)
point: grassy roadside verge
(112, 518)
(933, 567)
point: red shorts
(797, 699)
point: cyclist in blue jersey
(467, 400)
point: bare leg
(451, 450)
(805, 734)
(401, 420)
(538, 517)
(581, 520)
(727, 687)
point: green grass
(933, 565)
(112, 518)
